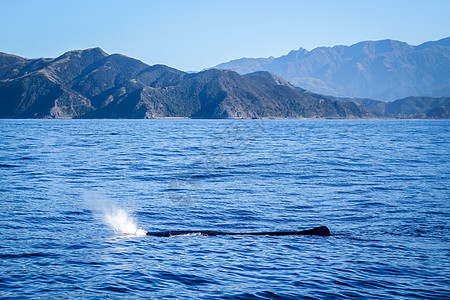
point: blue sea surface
(381, 186)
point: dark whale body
(320, 231)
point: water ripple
(381, 186)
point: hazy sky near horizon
(191, 35)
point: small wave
(26, 255)
(27, 158)
(188, 234)
(207, 176)
(8, 166)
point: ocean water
(76, 197)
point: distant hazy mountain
(386, 69)
(409, 107)
(92, 84)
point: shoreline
(231, 119)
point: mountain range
(93, 84)
(384, 70)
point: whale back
(319, 231)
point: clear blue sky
(196, 34)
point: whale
(318, 231)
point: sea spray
(122, 222)
(118, 219)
